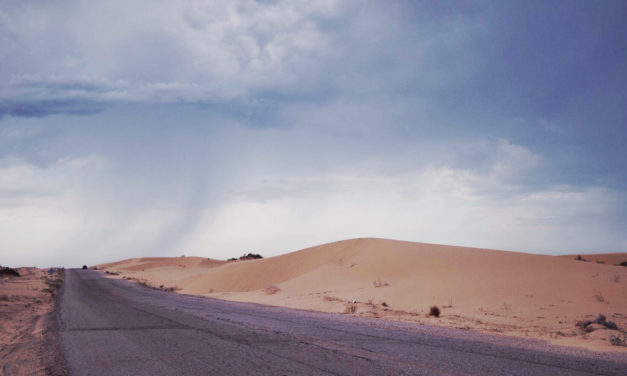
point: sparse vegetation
(270, 290)
(6, 271)
(579, 258)
(111, 273)
(600, 262)
(619, 339)
(247, 256)
(53, 286)
(380, 283)
(332, 299)
(615, 278)
(601, 320)
(624, 263)
(599, 297)
(434, 311)
(384, 304)
(351, 307)
(250, 256)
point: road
(115, 327)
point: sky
(213, 128)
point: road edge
(53, 358)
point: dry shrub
(434, 311)
(270, 290)
(350, 307)
(384, 304)
(450, 303)
(615, 278)
(6, 271)
(599, 297)
(619, 340)
(111, 273)
(601, 320)
(380, 283)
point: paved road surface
(114, 327)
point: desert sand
(24, 302)
(518, 294)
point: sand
(510, 293)
(24, 302)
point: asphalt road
(114, 327)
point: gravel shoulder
(27, 306)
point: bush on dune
(6, 271)
(434, 311)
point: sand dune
(601, 258)
(496, 291)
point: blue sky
(215, 128)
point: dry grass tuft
(598, 296)
(380, 283)
(350, 308)
(270, 290)
(327, 298)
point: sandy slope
(496, 291)
(24, 301)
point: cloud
(439, 204)
(239, 55)
(182, 51)
(209, 119)
(67, 213)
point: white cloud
(61, 214)
(434, 204)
